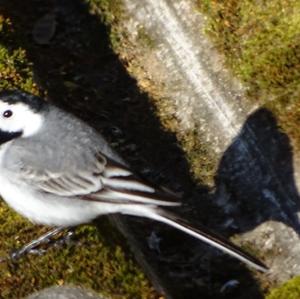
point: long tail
(207, 236)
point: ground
(260, 40)
(67, 51)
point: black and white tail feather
(115, 185)
(209, 237)
(120, 185)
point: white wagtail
(58, 171)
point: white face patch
(19, 117)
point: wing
(106, 181)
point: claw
(45, 239)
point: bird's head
(21, 115)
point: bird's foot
(55, 237)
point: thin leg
(44, 239)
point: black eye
(7, 113)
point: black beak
(7, 136)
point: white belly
(50, 210)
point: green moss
(289, 290)
(261, 43)
(201, 159)
(89, 261)
(15, 69)
(261, 39)
(110, 12)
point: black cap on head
(15, 96)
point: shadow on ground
(82, 75)
(256, 174)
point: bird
(58, 171)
